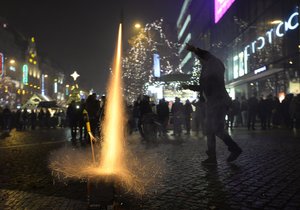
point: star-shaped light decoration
(75, 75)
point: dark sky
(81, 34)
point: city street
(266, 175)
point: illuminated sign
(1, 64)
(221, 6)
(43, 85)
(156, 65)
(279, 31)
(55, 87)
(264, 68)
(25, 74)
(260, 42)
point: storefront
(265, 58)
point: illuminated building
(21, 70)
(258, 42)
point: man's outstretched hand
(190, 47)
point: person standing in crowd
(276, 112)
(236, 107)
(81, 121)
(252, 111)
(25, 119)
(212, 90)
(136, 115)
(72, 118)
(146, 122)
(188, 110)
(93, 109)
(33, 119)
(41, 118)
(7, 119)
(269, 105)
(19, 120)
(244, 111)
(199, 115)
(162, 110)
(262, 113)
(286, 102)
(177, 112)
(47, 118)
(295, 111)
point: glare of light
(75, 75)
(67, 85)
(137, 25)
(113, 138)
(12, 61)
(46, 75)
(290, 62)
(281, 96)
(274, 22)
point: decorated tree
(138, 61)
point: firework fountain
(109, 164)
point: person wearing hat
(212, 91)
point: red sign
(1, 64)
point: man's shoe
(209, 162)
(234, 154)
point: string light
(137, 62)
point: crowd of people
(90, 110)
(265, 112)
(24, 119)
(252, 113)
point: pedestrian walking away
(212, 91)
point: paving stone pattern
(266, 176)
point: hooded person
(212, 91)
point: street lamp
(137, 26)
(12, 61)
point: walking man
(212, 91)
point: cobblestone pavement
(266, 176)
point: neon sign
(25, 74)
(221, 6)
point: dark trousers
(251, 119)
(73, 126)
(82, 130)
(214, 126)
(188, 124)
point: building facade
(23, 73)
(259, 42)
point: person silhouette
(213, 92)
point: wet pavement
(266, 176)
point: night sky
(80, 35)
